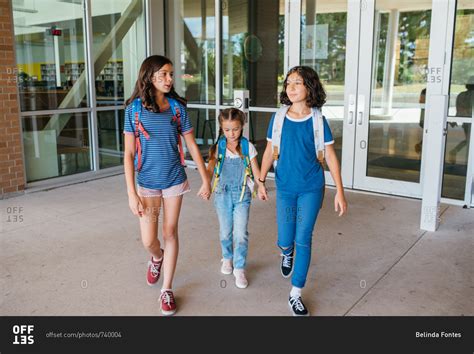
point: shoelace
(296, 302)
(155, 269)
(286, 260)
(167, 296)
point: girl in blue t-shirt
(299, 176)
(155, 120)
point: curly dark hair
(144, 86)
(316, 93)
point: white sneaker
(226, 267)
(240, 279)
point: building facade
(390, 69)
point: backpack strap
(318, 131)
(136, 112)
(244, 144)
(177, 117)
(221, 150)
(276, 132)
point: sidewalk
(78, 252)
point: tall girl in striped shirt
(155, 118)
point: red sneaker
(168, 305)
(154, 270)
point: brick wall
(12, 177)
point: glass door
(219, 46)
(191, 45)
(324, 47)
(330, 37)
(252, 58)
(393, 61)
(459, 152)
(372, 56)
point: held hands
(205, 190)
(135, 205)
(262, 192)
(340, 204)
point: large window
(204, 123)
(191, 47)
(400, 59)
(56, 145)
(110, 131)
(252, 50)
(118, 48)
(461, 101)
(49, 39)
(58, 114)
(118, 29)
(323, 47)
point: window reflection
(118, 48)
(191, 47)
(48, 50)
(204, 124)
(253, 50)
(323, 47)
(110, 124)
(461, 101)
(401, 48)
(56, 145)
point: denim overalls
(233, 214)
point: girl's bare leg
(149, 225)
(171, 210)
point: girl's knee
(170, 230)
(170, 234)
(303, 247)
(225, 234)
(304, 237)
(150, 244)
(170, 238)
(241, 237)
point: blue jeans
(233, 214)
(296, 217)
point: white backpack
(318, 132)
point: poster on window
(315, 42)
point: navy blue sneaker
(297, 306)
(287, 264)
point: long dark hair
(316, 94)
(144, 86)
(228, 114)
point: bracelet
(261, 181)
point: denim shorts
(170, 192)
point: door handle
(360, 111)
(351, 110)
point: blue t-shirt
(161, 165)
(298, 169)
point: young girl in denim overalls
(233, 165)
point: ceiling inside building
(35, 16)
